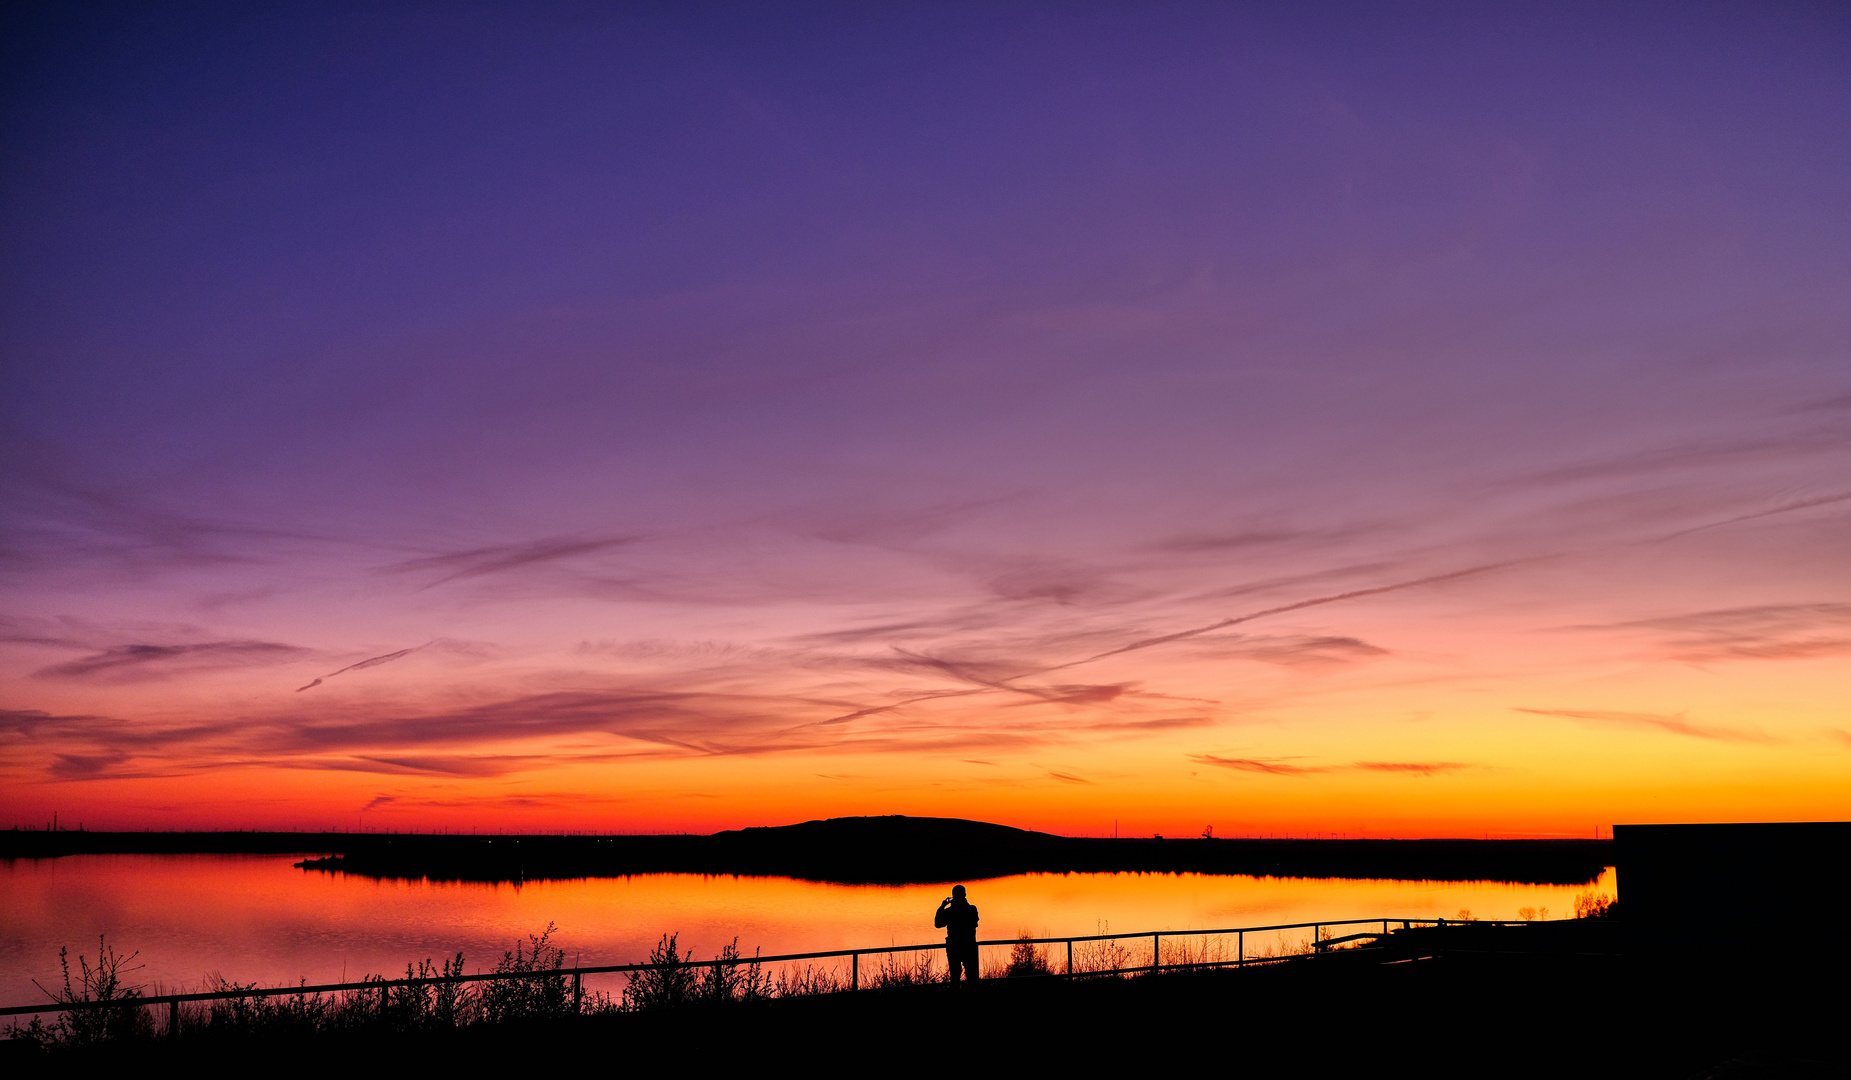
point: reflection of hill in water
(884, 850)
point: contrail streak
(1803, 504)
(374, 662)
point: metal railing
(1319, 944)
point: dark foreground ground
(1456, 1014)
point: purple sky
(804, 359)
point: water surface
(255, 918)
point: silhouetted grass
(1188, 954)
(536, 988)
(905, 969)
(1101, 957)
(541, 991)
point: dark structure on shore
(1729, 893)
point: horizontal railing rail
(1241, 959)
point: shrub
(124, 1019)
(727, 980)
(1026, 960)
(442, 1004)
(544, 993)
(670, 981)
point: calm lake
(257, 919)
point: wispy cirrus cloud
(60, 516)
(1293, 651)
(1418, 768)
(1671, 724)
(1698, 455)
(80, 766)
(1760, 632)
(1288, 766)
(464, 765)
(611, 724)
(998, 677)
(1297, 605)
(1285, 766)
(1078, 694)
(142, 663)
(878, 523)
(503, 558)
(529, 801)
(1791, 506)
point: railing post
(578, 992)
(1241, 947)
(1156, 953)
(854, 971)
(1070, 958)
(173, 1019)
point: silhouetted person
(959, 918)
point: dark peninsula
(869, 850)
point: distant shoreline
(871, 850)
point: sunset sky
(1382, 419)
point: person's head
(957, 892)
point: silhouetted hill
(887, 850)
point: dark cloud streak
(1285, 767)
(1674, 724)
(142, 662)
(364, 664)
(503, 558)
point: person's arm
(938, 920)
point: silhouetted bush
(542, 994)
(1593, 905)
(438, 1004)
(1026, 959)
(125, 1019)
(671, 982)
(728, 980)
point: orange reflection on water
(258, 919)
